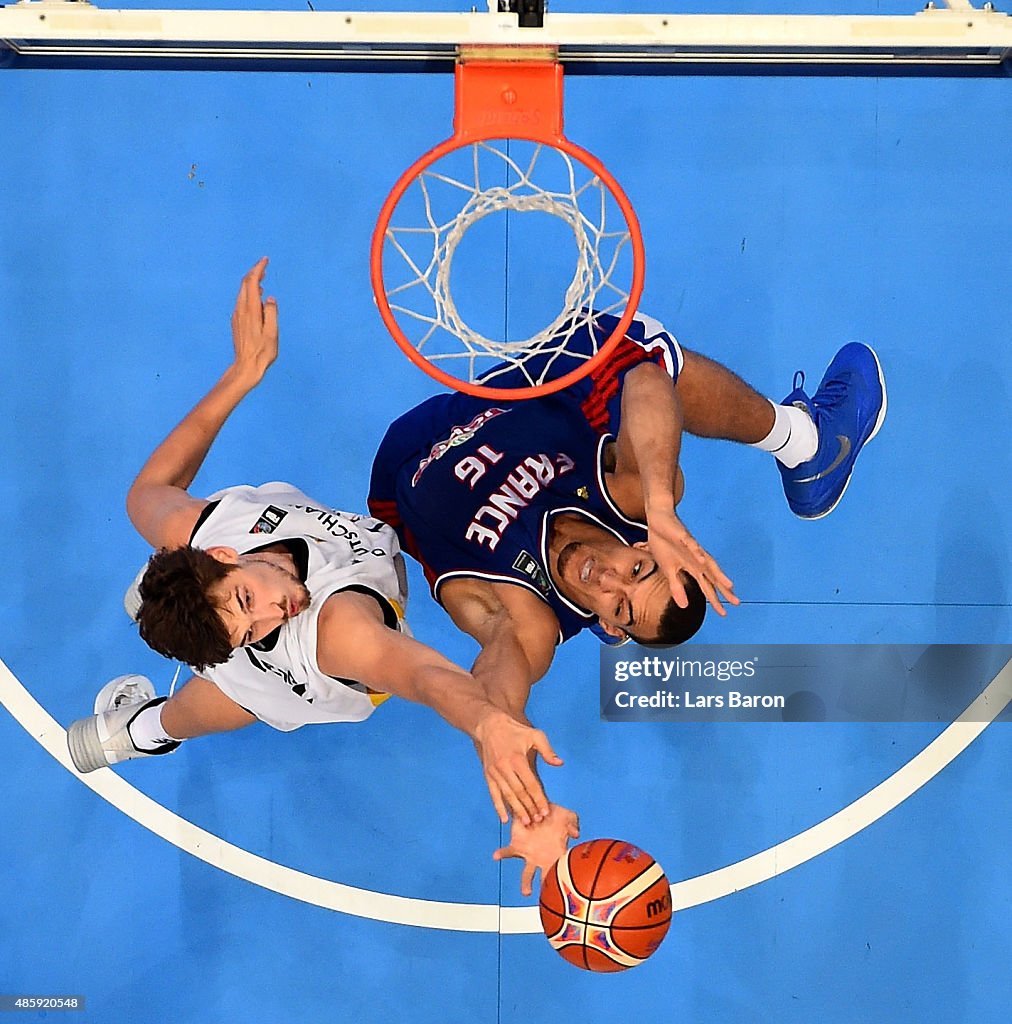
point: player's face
(621, 584)
(257, 597)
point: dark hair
(677, 624)
(177, 616)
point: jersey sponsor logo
(270, 520)
(521, 487)
(458, 435)
(529, 566)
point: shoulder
(350, 632)
(349, 607)
(164, 516)
(506, 617)
(479, 606)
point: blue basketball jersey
(475, 492)
(599, 393)
(472, 485)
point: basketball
(606, 905)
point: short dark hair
(177, 616)
(679, 624)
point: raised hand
(675, 549)
(508, 750)
(254, 326)
(540, 844)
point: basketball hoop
(507, 156)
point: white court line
(476, 917)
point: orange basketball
(606, 905)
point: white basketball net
(424, 303)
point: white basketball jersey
(280, 681)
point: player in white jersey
(334, 552)
(288, 611)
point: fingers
(257, 271)
(716, 580)
(678, 590)
(711, 595)
(504, 853)
(687, 554)
(712, 589)
(250, 285)
(521, 807)
(525, 796)
(255, 324)
(269, 325)
(497, 801)
(544, 748)
(532, 792)
(512, 796)
(514, 781)
(271, 315)
(527, 879)
(718, 577)
(251, 288)
(727, 592)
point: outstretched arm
(648, 482)
(517, 633)
(158, 503)
(354, 643)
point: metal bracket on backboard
(531, 13)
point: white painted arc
(473, 917)
(221, 854)
(855, 817)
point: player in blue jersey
(536, 519)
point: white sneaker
(124, 691)
(103, 739)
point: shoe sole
(878, 426)
(85, 746)
(104, 698)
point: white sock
(146, 730)
(793, 439)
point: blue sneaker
(848, 410)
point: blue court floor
(782, 218)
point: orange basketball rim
(510, 93)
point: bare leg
(199, 709)
(718, 403)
